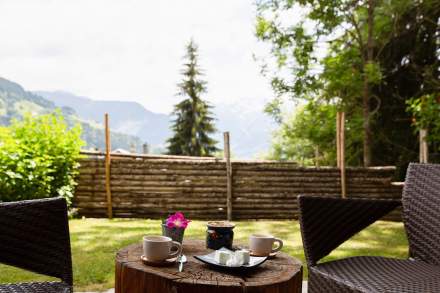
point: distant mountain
(249, 127)
(15, 102)
(131, 123)
(125, 117)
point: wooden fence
(154, 186)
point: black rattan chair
(34, 235)
(328, 222)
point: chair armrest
(327, 222)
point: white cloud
(131, 50)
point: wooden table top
(274, 272)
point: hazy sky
(131, 50)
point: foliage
(338, 27)
(305, 133)
(342, 73)
(193, 124)
(350, 25)
(409, 61)
(99, 239)
(94, 136)
(364, 56)
(309, 136)
(38, 158)
(426, 113)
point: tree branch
(359, 34)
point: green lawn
(95, 242)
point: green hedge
(38, 158)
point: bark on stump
(282, 274)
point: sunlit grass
(95, 242)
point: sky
(132, 50)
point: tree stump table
(282, 274)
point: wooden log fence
(153, 187)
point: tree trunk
(366, 124)
(366, 91)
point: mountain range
(125, 117)
(15, 102)
(132, 124)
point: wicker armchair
(328, 222)
(34, 235)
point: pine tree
(194, 123)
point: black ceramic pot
(219, 234)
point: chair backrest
(421, 211)
(34, 235)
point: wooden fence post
(338, 139)
(107, 168)
(342, 156)
(340, 150)
(423, 146)
(227, 155)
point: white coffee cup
(159, 248)
(261, 244)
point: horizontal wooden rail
(152, 187)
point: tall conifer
(193, 122)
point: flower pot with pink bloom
(174, 226)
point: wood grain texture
(154, 187)
(282, 274)
(107, 167)
(227, 153)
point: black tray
(209, 259)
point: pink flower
(177, 221)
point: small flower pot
(174, 233)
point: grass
(95, 242)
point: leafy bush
(426, 115)
(308, 136)
(38, 158)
